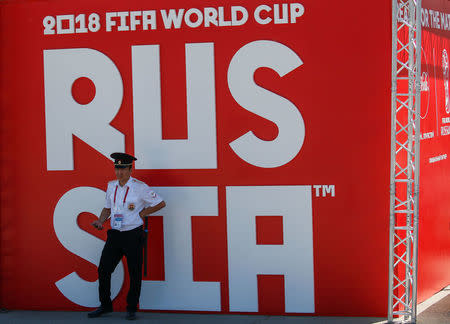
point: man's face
(123, 173)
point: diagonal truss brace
(405, 142)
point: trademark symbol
(325, 190)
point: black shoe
(131, 316)
(100, 311)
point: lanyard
(124, 198)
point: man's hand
(97, 224)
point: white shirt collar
(128, 184)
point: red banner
(434, 242)
(264, 126)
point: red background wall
(343, 93)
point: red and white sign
(434, 226)
(264, 125)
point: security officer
(127, 201)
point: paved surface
(78, 317)
(438, 313)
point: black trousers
(128, 243)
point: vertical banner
(434, 226)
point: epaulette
(110, 182)
(137, 181)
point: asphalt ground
(178, 318)
(438, 313)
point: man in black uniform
(128, 201)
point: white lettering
(109, 21)
(437, 158)
(444, 22)
(199, 150)
(317, 188)
(172, 18)
(234, 15)
(294, 258)
(189, 22)
(445, 130)
(82, 244)
(283, 18)
(328, 190)
(210, 16)
(222, 21)
(123, 21)
(427, 135)
(149, 18)
(425, 18)
(179, 291)
(59, 24)
(435, 23)
(257, 14)
(291, 129)
(297, 10)
(133, 19)
(64, 117)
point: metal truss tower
(405, 142)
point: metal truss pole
(405, 159)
